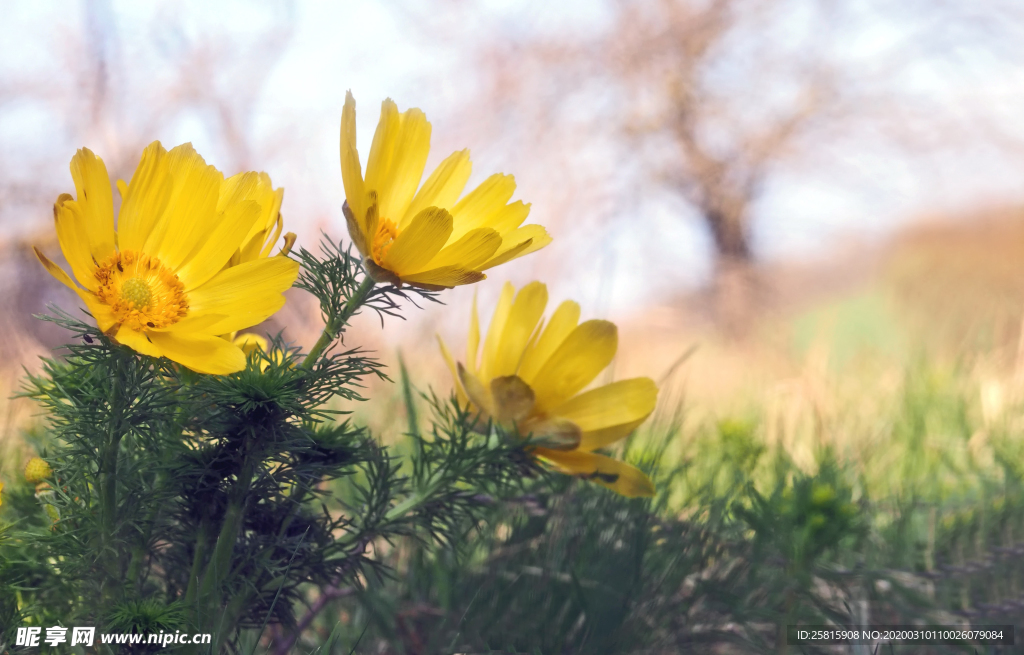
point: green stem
(109, 487)
(336, 323)
(141, 550)
(413, 501)
(220, 560)
(108, 508)
(197, 562)
(218, 569)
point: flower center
(385, 237)
(141, 291)
(136, 292)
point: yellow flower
(37, 470)
(529, 376)
(162, 283)
(250, 343)
(1, 493)
(426, 238)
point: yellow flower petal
(74, 240)
(192, 210)
(460, 393)
(562, 323)
(473, 338)
(553, 433)
(200, 352)
(445, 277)
(469, 252)
(518, 242)
(493, 339)
(443, 187)
(146, 198)
(252, 249)
(275, 232)
(215, 251)
(104, 316)
(194, 322)
(239, 188)
(246, 294)
(575, 363)
(137, 341)
(509, 217)
(258, 188)
(478, 394)
(95, 199)
(522, 320)
(357, 232)
(482, 204)
(417, 244)
(398, 156)
(351, 170)
(609, 413)
(54, 270)
(250, 343)
(622, 478)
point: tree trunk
(733, 285)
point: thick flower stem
(108, 494)
(336, 323)
(108, 500)
(218, 569)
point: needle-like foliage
(209, 504)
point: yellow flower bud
(37, 470)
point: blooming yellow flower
(529, 377)
(37, 470)
(162, 283)
(426, 238)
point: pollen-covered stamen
(141, 292)
(385, 237)
(136, 292)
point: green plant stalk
(109, 486)
(407, 396)
(412, 502)
(336, 323)
(219, 567)
(133, 580)
(108, 492)
(197, 563)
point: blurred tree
(714, 101)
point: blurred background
(782, 203)
(806, 217)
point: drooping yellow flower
(425, 236)
(37, 470)
(529, 377)
(162, 283)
